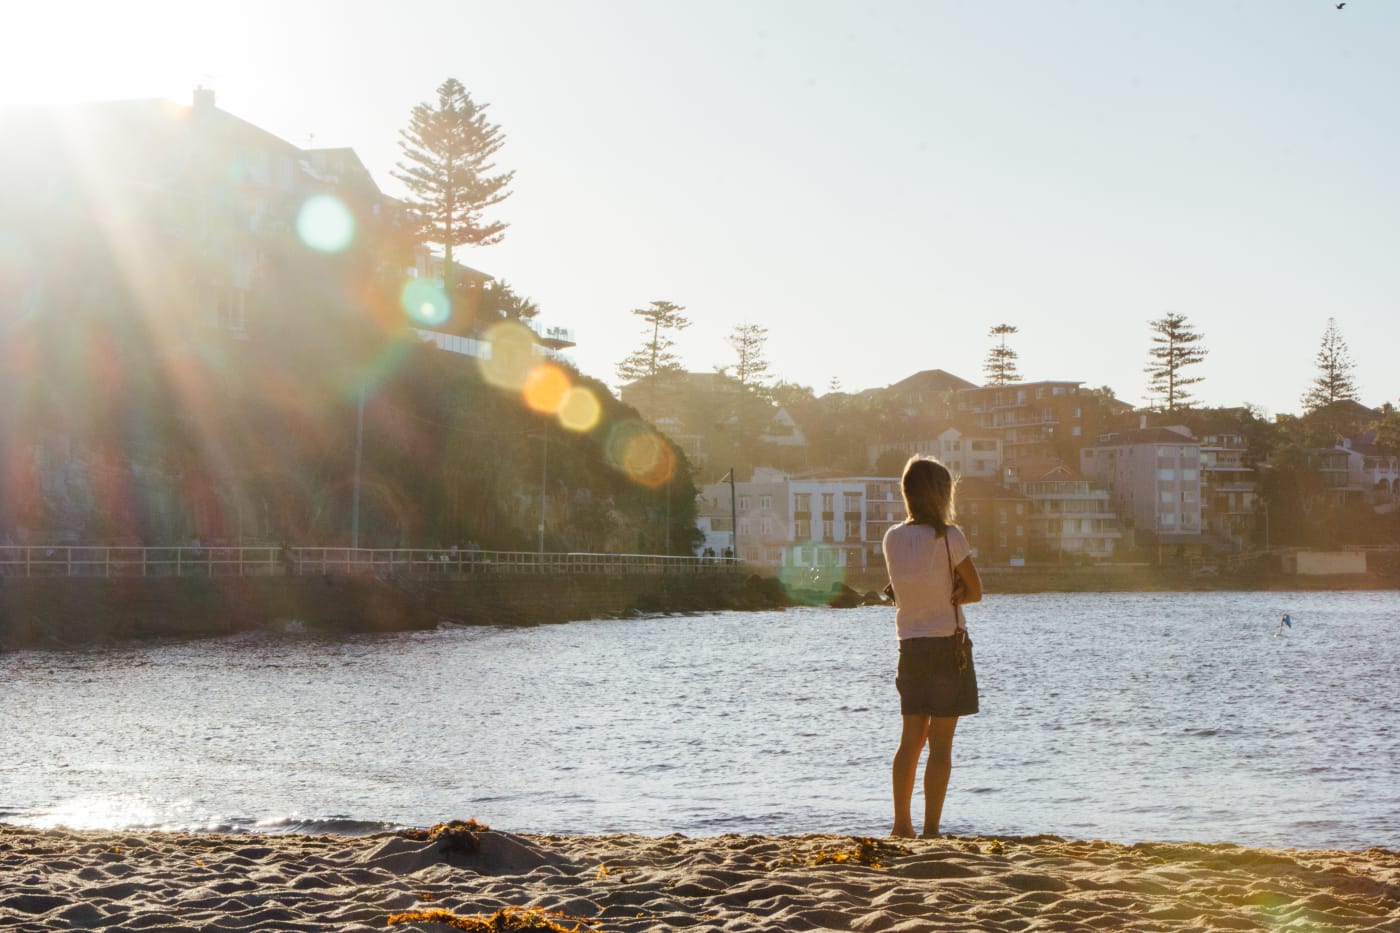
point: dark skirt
(929, 680)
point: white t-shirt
(917, 562)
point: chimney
(203, 98)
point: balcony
(556, 338)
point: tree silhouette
(751, 367)
(1334, 382)
(1174, 348)
(1000, 367)
(656, 355)
(447, 167)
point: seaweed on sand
(863, 850)
(458, 837)
(508, 918)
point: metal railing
(265, 560)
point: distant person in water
(931, 575)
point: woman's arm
(967, 587)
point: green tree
(447, 168)
(1334, 382)
(790, 394)
(891, 463)
(750, 368)
(499, 301)
(1174, 347)
(1388, 433)
(656, 356)
(1000, 367)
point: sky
(877, 184)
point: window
(802, 528)
(1167, 519)
(1001, 516)
(765, 502)
(828, 501)
(1075, 430)
(828, 530)
(1167, 475)
(1188, 476)
(1020, 531)
(1168, 495)
(1079, 413)
(852, 530)
(802, 502)
(743, 503)
(744, 529)
(972, 508)
(766, 527)
(1020, 508)
(1001, 540)
(852, 502)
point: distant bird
(1340, 5)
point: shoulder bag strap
(952, 579)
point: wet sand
(460, 877)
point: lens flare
(425, 303)
(817, 585)
(545, 388)
(579, 410)
(641, 453)
(512, 355)
(325, 224)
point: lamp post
(733, 519)
(544, 483)
(359, 448)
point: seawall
(39, 612)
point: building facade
(1154, 478)
(996, 520)
(1229, 492)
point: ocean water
(1127, 717)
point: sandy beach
(466, 876)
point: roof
(1144, 436)
(931, 380)
(974, 487)
(1047, 469)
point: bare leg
(940, 765)
(906, 769)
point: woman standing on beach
(932, 574)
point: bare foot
(933, 835)
(902, 832)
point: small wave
(328, 826)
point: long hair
(928, 493)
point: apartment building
(963, 453)
(822, 521)
(828, 522)
(1229, 491)
(754, 514)
(1371, 470)
(1154, 478)
(1035, 420)
(1069, 515)
(996, 520)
